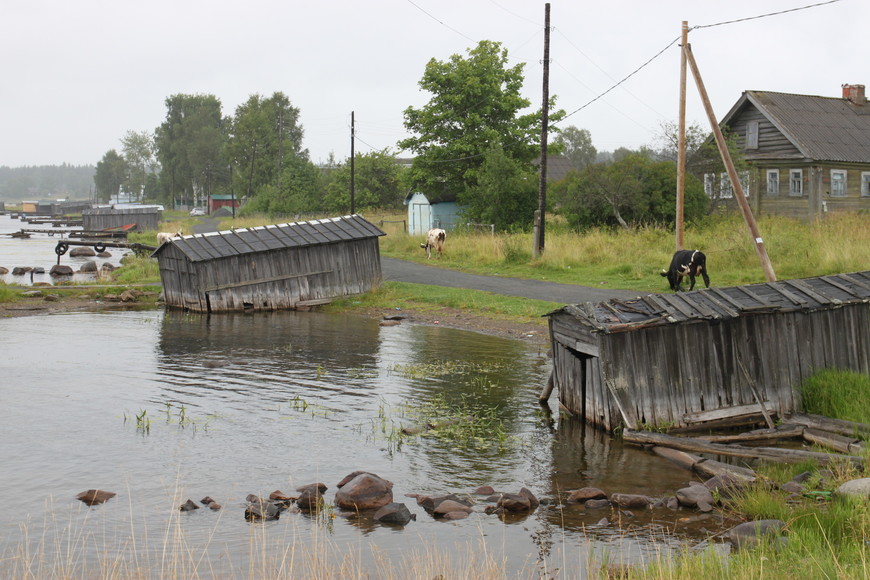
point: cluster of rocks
(89, 267)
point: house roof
(821, 128)
(224, 244)
(803, 295)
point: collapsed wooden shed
(695, 358)
(275, 267)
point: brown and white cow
(689, 263)
(434, 240)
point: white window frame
(709, 182)
(725, 189)
(773, 180)
(752, 135)
(799, 190)
(865, 184)
(840, 177)
(744, 182)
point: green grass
(838, 393)
(632, 259)
(400, 296)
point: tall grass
(632, 259)
(838, 393)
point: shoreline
(448, 317)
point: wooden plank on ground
(723, 413)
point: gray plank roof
(807, 294)
(236, 242)
(822, 128)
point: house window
(838, 183)
(773, 182)
(865, 183)
(725, 186)
(744, 182)
(709, 182)
(752, 135)
(796, 182)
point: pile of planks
(844, 438)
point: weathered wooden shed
(146, 218)
(276, 267)
(695, 358)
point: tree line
(474, 141)
(39, 182)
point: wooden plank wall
(668, 371)
(274, 280)
(146, 219)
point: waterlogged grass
(171, 415)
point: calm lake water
(38, 250)
(231, 405)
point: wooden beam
(263, 280)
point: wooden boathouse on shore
(275, 267)
(103, 218)
(707, 357)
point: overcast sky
(79, 75)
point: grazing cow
(689, 263)
(434, 239)
(163, 237)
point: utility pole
(545, 117)
(681, 147)
(732, 172)
(352, 169)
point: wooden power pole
(729, 166)
(545, 117)
(352, 168)
(681, 145)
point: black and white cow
(689, 263)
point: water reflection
(238, 404)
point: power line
(658, 54)
(440, 21)
(766, 15)
(634, 72)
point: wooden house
(276, 267)
(144, 218)
(694, 358)
(808, 155)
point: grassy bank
(828, 536)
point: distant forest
(46, 182)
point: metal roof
(806, 294)
(822, 128)
(239, 241)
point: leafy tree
(505, 194)
(110, 175)
(635, 189)
(264, 133)
(138, 152)
(297, 191)
(475, 108)
(577, 146)
(189, 146)
(376, 184)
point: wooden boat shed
(707, 357)
(146, 218)
(275, 267)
